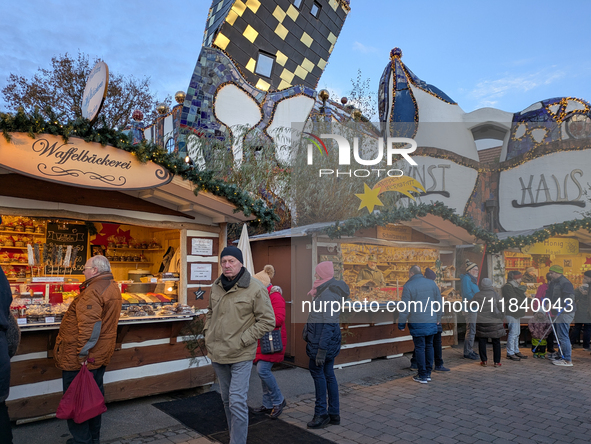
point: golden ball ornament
(180, 97)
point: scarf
(325, 271)
(229, 283)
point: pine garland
(204, 180)
(493, 243)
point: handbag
(271, 342)
(83, 400)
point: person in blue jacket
(418, 295)
(469, 283)
(322, 334)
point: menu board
(62, 235)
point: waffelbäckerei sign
(79, 163)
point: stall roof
(434, 226)
(174, 201)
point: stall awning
(443, 230)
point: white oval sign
(79, 163)
(95, 91)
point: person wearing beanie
(239, 313)
(582, 318)
(273, 400)
(489, 322)
(372, 272)
(561, 293)
(469, 287)
(513, 293)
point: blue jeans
(437, 352)
(514, 327)
(424, 354)
(325, 381)
(562, 326)
(234, 380)
(88, 432)
(470, 333)
(271, 393)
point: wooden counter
(150, 358)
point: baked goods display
(393, 263)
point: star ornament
(369, 198)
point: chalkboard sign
(64, 235)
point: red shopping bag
(83, 400)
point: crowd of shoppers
(244, 308)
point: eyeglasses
(89, 267)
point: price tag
(21, 321)
(49, 319)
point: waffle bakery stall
(62, 202)
(390, 251)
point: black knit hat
(233, 251)
(587, 273)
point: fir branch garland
(49, 123)
(493, 243)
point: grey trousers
(470, 333)
(234, 380)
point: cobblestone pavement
(531, 401)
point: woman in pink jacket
(273, 400)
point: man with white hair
(87, 337)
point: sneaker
(428, 378)
(441, 368)
(587, 349)
(513, 357)
(483, 363)
(420, 380)
(520, 355)
(261, 409)
(551, 355)
(472, 356)
(497, 364)
(277, 410)
(562, 363)
(335, 419)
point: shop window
(264, 65)
(315, 10)
(297, 3)
(170, 145)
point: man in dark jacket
(5, 301)
(562, 294)
(418, 295)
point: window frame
(268, 56)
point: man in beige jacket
(238, 315)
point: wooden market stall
(427, 242)
(163, 242)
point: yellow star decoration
(369, 198)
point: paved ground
(531, 401)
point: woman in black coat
(489, 323)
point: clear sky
(505, 54)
